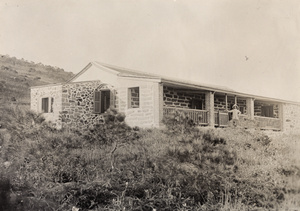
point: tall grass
(115, 167)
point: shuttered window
(51, 107)
(102, 101)
(97, 102)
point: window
(102, 101)
(47, 104)
(197, 104)
(134, 97)
(242, 110)
(267, 111)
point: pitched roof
(127, 72)
(138, 74)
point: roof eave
(157, 79)
(80, 73)
(46, 85)
(206, 88)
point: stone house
(146, 98)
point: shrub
(36, 78)
(4, 193)
(178, 122)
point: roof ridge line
(109, 66)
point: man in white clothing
(235, 115)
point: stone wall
(74, 103)
(52, 91)
(147, 113)
(180, 99)
(291, 117)
(220, 103)
(78, 104)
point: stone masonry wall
(78, 104)
(220, 103)
(291, 117)
(53, 91)
(179, 98)
(74, 103)
(147, 113)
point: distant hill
(18, 75)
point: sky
(251, 46)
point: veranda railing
(199, 117)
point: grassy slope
(115, 167)
(17, 76)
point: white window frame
(50, 101)
(130, 97)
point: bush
(4, 193)
(178, 123)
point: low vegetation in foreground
(115, 167)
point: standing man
(235, 115)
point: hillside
(18, 75)
(115, 167)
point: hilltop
(18, 75)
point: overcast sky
(251, 46)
